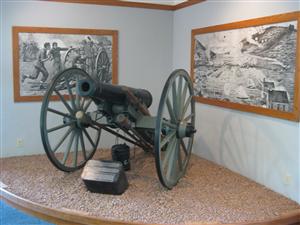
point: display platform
(208, 194)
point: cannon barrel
(113, 93)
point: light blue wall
(145, 57)
(261, 148)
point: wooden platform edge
(56, 216)
(69, 217)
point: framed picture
(41, 53)
(251, 65)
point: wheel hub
(185, 130)
(82, 119)
(79, 115)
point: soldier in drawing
(56, 57)
(39, 66)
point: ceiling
(150, 4)
(162, 2)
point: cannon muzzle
(116, 94)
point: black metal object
(121, 153)
(106, 177)
(114, 93)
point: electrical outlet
(287, 179)
(19, 142)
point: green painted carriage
(71, 127)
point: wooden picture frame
(34, 65)
(251, 65)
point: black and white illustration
(254, 65)
(43, 55)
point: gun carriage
(71, 127)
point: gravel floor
(207, 193)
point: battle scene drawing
(43, 55)
(254, 65)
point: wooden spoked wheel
(70, 58)
(102, 67)
(69, 137)
(174, 131)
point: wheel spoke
(183, 147)
(66, 154)
(59, 113)
(174, 100)
(183, 98)
(82, 145)
(62, 139)
(169, 152)
(89, 137)
(179, 93)
(64, 101)
(188, 117)
(87, 105)
(60, 126)
(186, 105)
(75, 154)
(82, 103)
(170, 110)
(179, 155)
(101, 78)
(167, 139)
(71, 94)
(169, 124)
(171, 168)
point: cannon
(77, 107)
